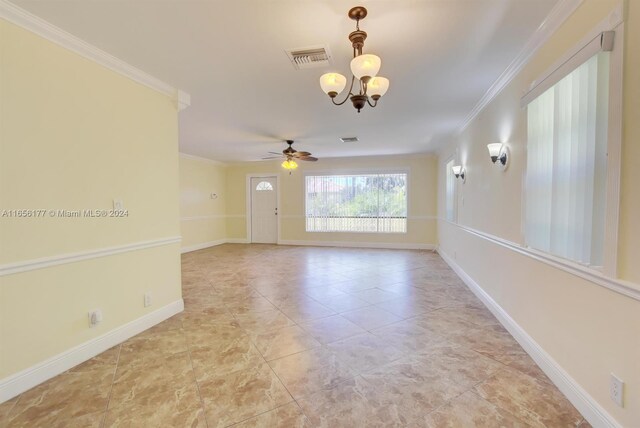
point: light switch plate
(118, 205)
(616, 390)
(147, 299)
(95, 317)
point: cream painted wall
(421, 227)
(202, 219)
(75, 135)
(589, 330)
(629, 241)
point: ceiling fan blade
(308, 158)
(275, 153)
(301, 154)
(272, 157)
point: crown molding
(558, 15)
(39, 26)
(182, 100)
(201, 159)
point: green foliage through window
(356, 203)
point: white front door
(264, 210)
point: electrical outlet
(118, 205)
(616, 390)
(147, 299)
(95, 317)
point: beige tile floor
(308, 337)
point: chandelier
(364, 67)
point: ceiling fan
(291, 155)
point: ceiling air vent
(311, 57)
(349, 139)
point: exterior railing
(357, 224)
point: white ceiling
(440, 55)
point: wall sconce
(459, 172)
(499, 154)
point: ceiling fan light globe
(378, 86)
(333, 83)
(289, 164)
(366, 65)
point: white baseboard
(202, 246)
(345, 244)
(585, 403)
(237, 241)
(209, 244)
(350, 244)
(26, 379)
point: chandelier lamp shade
(333, 83)
(364, 69)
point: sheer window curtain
(566, 165)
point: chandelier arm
(341, 102)
(375, 102)
(348, 95)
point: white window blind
(374, 203)
(450, 191)
(566, 164)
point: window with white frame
(264, 186)
(450, 191)
(374, 203)
(567, 148)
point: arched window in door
(264, 186)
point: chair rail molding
(626, 288)
(45, 262)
